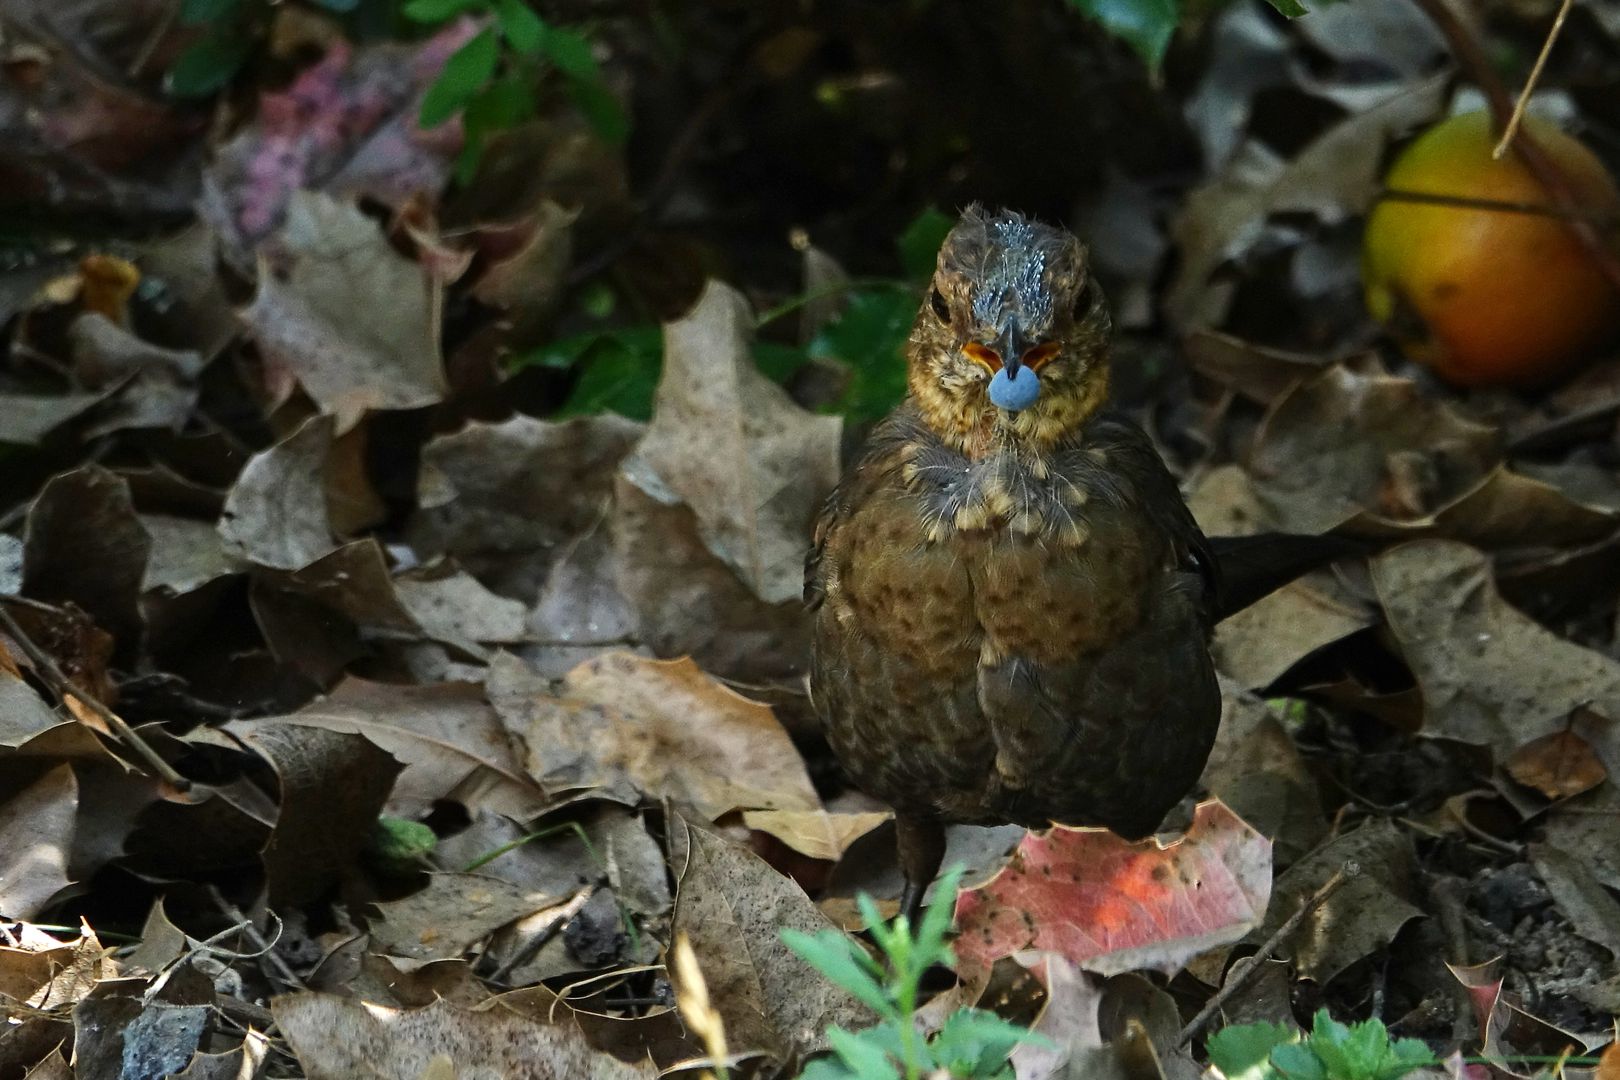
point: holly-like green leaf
(525, 31)
(1144, 25)
(1297, 1061)
(464, 74)
(870, 336)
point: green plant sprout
(972, 1044)
(1332, 1051)
(491, 79)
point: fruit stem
(1465, 47)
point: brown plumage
(1012, 607)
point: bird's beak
(1011, 346)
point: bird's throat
(967, 422)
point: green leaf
(870, 336)
(398, 846)
(937, 919)
(570, 53)
(1243, 1051)
(840, 960)
(1144, 25)
(1293, 9)
(197, 12)
(977, 1042)
(778, 361)
(438, 11)
(864, 1059)
(464, 74)
(523, 28)
(342, 7)
(208, 64)
(827, 1069)
(1296, 1061)
(601, 110)
(919, 244)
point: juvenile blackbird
(1012, 602)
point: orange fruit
(1489, 297)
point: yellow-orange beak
(991, 360)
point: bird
(1012, 604)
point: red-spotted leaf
(1112, 906)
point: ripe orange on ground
(1489, 297)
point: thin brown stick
(1470, 56)
(1517, 118)
(1245, 969)
(63, 688)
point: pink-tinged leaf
(1111, 906)
(346, 126)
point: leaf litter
(477, 704)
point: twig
(266, 949)
(1471, 58)
(64, 688)
(1246, 968)
(1517, 118)
(1599, 218)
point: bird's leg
(921, 844)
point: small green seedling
(971, 1045)
(1332, 1051)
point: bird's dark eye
(937, 302)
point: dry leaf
(1113, 906)
(355, 323)
(1559, 765)
(339, 1038)
(660, 728)
(730, 444)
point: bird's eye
(937, 302)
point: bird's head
(1010, 345)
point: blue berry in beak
(1017, 392)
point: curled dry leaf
(317, 318)
(1112, 906)
(339, 1038)
(1333, 177)
(84, 545)
(1259, 644)
(1490, 675)
(446, 735)
(333, 785)
(637, 727)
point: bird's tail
(1252, 567)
